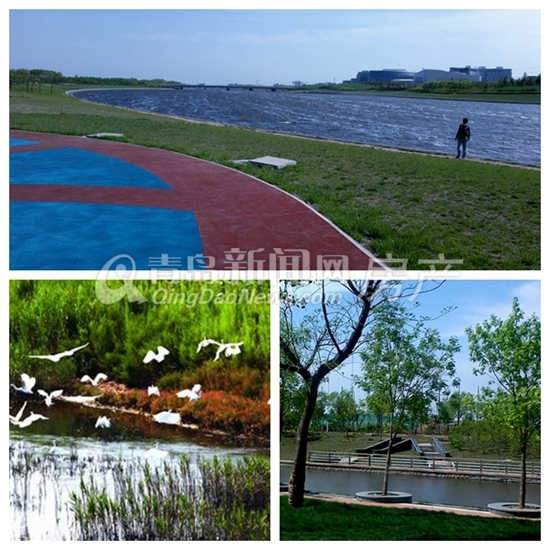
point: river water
(68, 446)
(506, 132)
(444, 491)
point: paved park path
(78, 202)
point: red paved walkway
(244, 223)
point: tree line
(32, 78)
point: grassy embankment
(410, 206)
(348, 443)
(319, 520)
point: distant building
(436, 75)
(384, 76)
(484, 74)
(402, 76)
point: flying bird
(207, 342)
(28, 384)
(94, 381)
(49, 397)
(15, 419)
(167, 417)
(33, 417)
(58, 356)
(158, 357)
(229, 350)
(103, 422)
(153, 390)
(193, 394)
(80, 398)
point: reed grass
(115, 498)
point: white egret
(158, 357)
(33, 417)
(229, 350)
(94, 381)
(15, 419)
(193, 394)
(103, 422)
(153, 390)
(155, 452)
(28, 384)
(207, 342)
(167, 417)
(79, 398)
(49, 397)
(58, 356)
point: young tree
(316, 342)
(509, 352)
(407, 366)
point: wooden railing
(442, 465)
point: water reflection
(455, 492)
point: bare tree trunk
(297, 482)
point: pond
(50, 458)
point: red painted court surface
(77, 203)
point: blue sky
(474, 300)
(270, 46)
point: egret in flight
(153, 390)
(58, 356)
(33, 417)
(15, 419)
(228, 349)
(28, 384)
(49, 397)
(94, 381)
(158, 357)
(193, 394)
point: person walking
(462, 137)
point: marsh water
(507, 132)
(444, 491)
(49, 458)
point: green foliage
(509, 352)
(406, 366)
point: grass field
(408, 206)
(319, 520)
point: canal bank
(439, 488)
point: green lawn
(409, 207)
(320, 520)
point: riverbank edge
(228, 438)
(403, 150)
(487, 476)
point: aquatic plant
(218, 500)
(60, 494)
